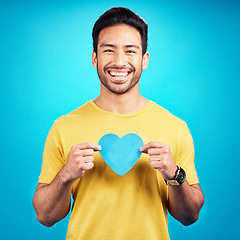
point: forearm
(185, 202)
(52, 201)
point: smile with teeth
(118, 74)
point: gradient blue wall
(194, 72)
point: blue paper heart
(120, 154)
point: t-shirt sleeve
(186, 155)
(53, 156)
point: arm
(52, 201)
(184, 201)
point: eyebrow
(132, 46)
(114, 46)
(107, 45)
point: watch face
(182, 175)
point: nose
(119, 59)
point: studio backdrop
(193, 72)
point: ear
(145, 60)
(94, 59)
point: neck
(129, 102)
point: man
(107, 205)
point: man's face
(119, 59)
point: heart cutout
(120, 154)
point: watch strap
(176, 181)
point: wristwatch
(180, 177)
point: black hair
(117, 16)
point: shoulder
(163, 115)
(76, 113)
(73, 118)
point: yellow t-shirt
(106, 205)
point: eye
(131, 51)
(108, 50)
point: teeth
(119, 74)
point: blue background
(193, 71)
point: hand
(80, 159)
(161, 158)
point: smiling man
(107, 205)
(119, 59)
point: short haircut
(118, 16)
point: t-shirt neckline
(139, 112)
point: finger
(155, 164)
(88, 166)
(158, 151)
(149, 145)
(154, 151)
(86, 152)
(88, 159)
(88, 145)
(155, 158)
(160, 165)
